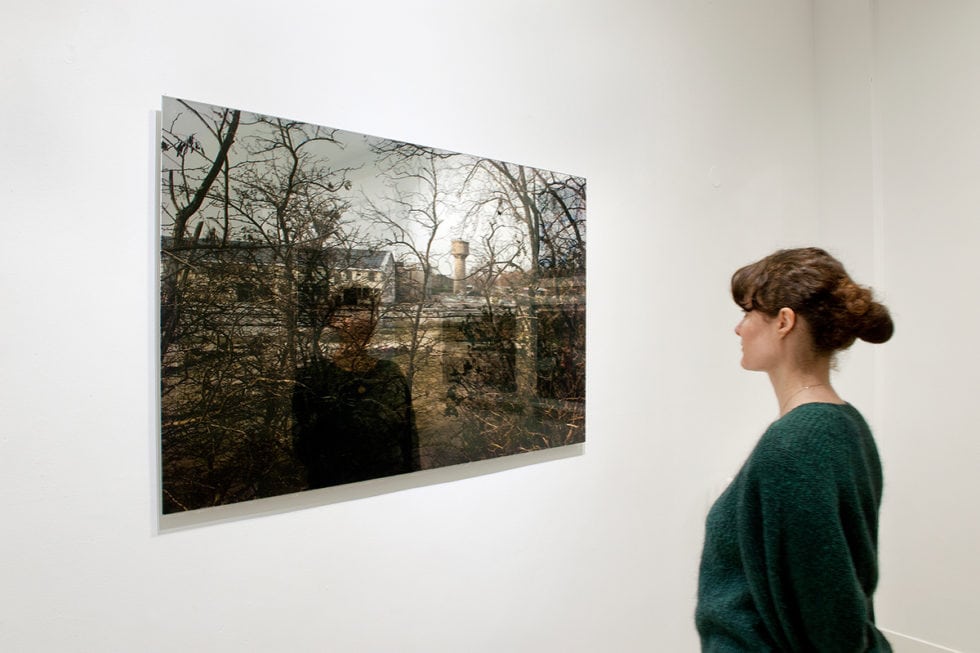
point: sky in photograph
(353, 152)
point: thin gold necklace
(806, 387)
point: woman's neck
(802, 385)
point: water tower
(460, 250)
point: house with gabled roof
(244, 279)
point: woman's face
(759, 334)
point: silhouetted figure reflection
(353, 417)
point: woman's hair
(815, 285)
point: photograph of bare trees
(336, 307)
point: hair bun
(877, 324)
(871, 320)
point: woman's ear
(785, 321)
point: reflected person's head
(355, 325)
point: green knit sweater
(790, 557)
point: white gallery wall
(899, 150)
(929, 98)
(710, 133)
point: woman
(790, 556)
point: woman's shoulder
(816, 418)
(814, 432)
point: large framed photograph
(337, 307)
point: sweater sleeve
(799, 525)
